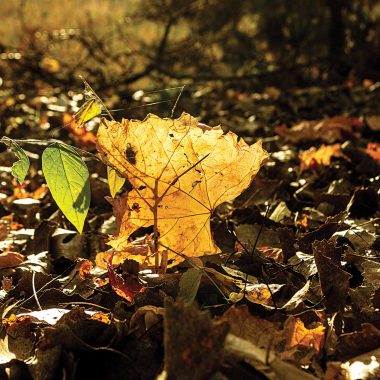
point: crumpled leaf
(181, 171)
(126, 288)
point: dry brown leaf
(259, 331)
(373, 122)
(328, 130)
(11, 259)
(293, 342)
(180, 171)
(333, 279)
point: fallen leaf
(328, 130)
(125, 287)
(189, 284)
(373, 122)
(373, 149)
(302, 343)
(313, 158)
(181, 171)
(193, 342)
(10, 259)
(85, 268)
(258, 331)
(262, 294)
(358, 342)
(272, 253)
(333, 279)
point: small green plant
(65, 171)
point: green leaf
(88, 111)
(68, 179)
(115, 182)
(21, 166)
(189, 284)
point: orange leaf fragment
(18, 325)
(125, 287)
(85, 268)
(272, 253)
(373, 149)
(313, 157)
(180, 170)
(81, 136)
(102, 317)
(297, 335)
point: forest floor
(294, 293)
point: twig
(34, 290)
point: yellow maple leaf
(180, 170)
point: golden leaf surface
(180, 170)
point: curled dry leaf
(127, 287)
(180, 171)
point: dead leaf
(181, 171)
(358, 342)
(373, 122)
(193, 342)
(262, 294)
(373, 149)
(271, 253)
(10, 259)
(328, 130)
(126, 287)
(82, 137)
(85, 268)
(314, 158)
(302, 343)
(334, 281)
(17, 340)
(258, 331)
(145, 316)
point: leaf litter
(280, 283)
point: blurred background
(262, 61)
